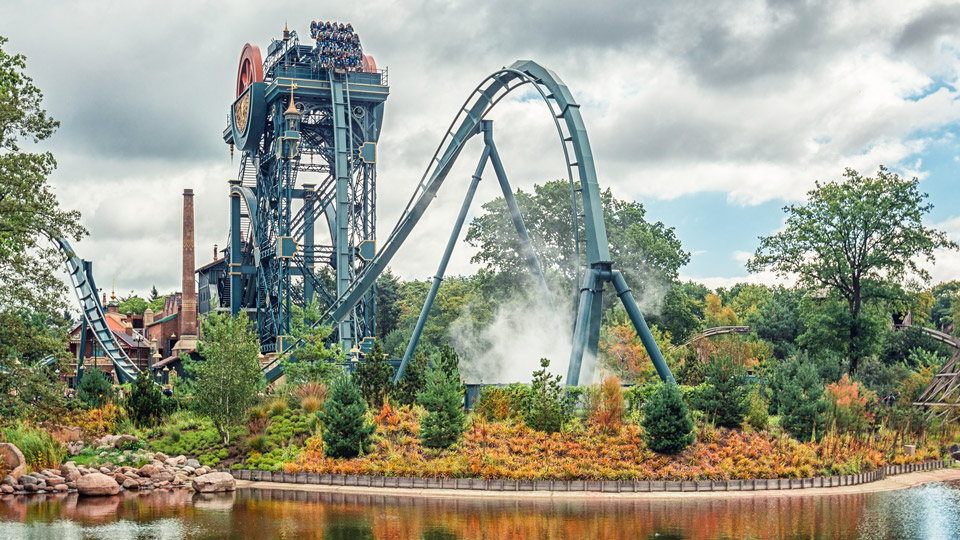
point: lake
(931, 511)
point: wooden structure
(942, 397)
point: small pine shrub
(443, 401)
(800, 398)
(724, 399)
(345, 429)
(757, 415)
(374, 376)
(94, 388)
(145, 403)
(666, 421)
(258, 443)
(544, 408)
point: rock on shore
(213, 482)
(97, 484)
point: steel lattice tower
(308, 136)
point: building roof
(211, 264)
(165, 319)
(171, 359)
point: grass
(39, 448)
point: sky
(714, 115)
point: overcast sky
(713, 116)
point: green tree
(442, 398)
(154, 293)
(798, 389)
(667, 426)
(859, 238)
(724, 398)
(225, 382)
(778, 321)
(94, 388)
(315, 358)
(388, 303)
(414, 380)
(29, 392)
(30, 216)
(374, 376)
(544, 408)
(133, 304)
(156, 305)
(145, 403)
(680, 315)
(645, 252)
(346, 431)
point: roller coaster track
(577, 155)
(711, 332)
(92, 312)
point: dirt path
(887, 484)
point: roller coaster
(308, 136)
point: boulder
(74, 447)
(67, 468)
(202, 471)
(213, 482)
(955, 451)
(28, 480)
(62, 488)
(97, 484)
(13, 460)
(31, 487)
(130, 483)
(55, 481)
(160, 456)
(149, 470)
(124, 439)
(170, 462)
(192, 463)
(5, 489)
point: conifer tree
(414, 380)
(443, 401)
(94, 388)
(145, 401)
(345, 428)
(800, 397)
(666, 421)
(374, 376)
(725, 397)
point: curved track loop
(577, 153)
(92, 311)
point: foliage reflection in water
(927, 512)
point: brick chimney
(188, 313)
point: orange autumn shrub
(606, 405)
(513, 451)
(848, 405)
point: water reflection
(929, 511)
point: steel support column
(451, 243)
(526, 245)
(581, 329)
(641, 326)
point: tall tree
(860, 238)
(226, 381)
(30, 214)
(645, 252)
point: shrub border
(606, 486)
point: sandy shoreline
(889, 483)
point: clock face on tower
(250, 69)
(248, 113)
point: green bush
(374, 377)
(757, 415)
(725, 398)
(443, 401)
(668, 428)
(499, 403)
(94, 388)
(145, 403)
(414, 379)
(345, 429)
(799, 392)
(544, 409)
